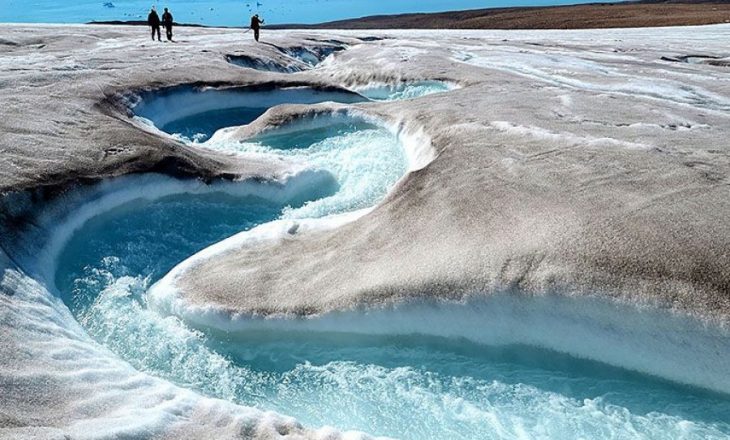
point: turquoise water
(365, 160)
(406, 387)
(178, 112)
(409, 387)
(236, 13)
(200, 127)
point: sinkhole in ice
(294, 59)
(266, 65)
(314, 55)
(391, 374)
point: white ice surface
(62, 350)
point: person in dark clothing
(167, 22)
(153, 20)
(256, 23)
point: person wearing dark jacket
(256, 23)
(167, 22)
(153, 20)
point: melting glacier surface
(402, 386)
(112, 247)
(564, 69)
(194, 114)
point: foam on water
(391, 382)
(423, 370)
(365, 159)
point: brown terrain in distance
(587, 16)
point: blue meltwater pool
(406, 386)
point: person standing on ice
(256, 23)
(153, 20)
(167, 22)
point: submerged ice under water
(408, 387)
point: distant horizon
(237, 12)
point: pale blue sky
(235, 13)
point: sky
(235, 13)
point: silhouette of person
(153, 20)
(256, 23)
(167, 22)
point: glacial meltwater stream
(404, 386)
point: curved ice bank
(99, 248)
(195, 113)
(59, 380)
(414, 387)
(366, 156)
(648, 341)
(60, 221)
(299, 132)
(397, 380)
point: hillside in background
(589, 16)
